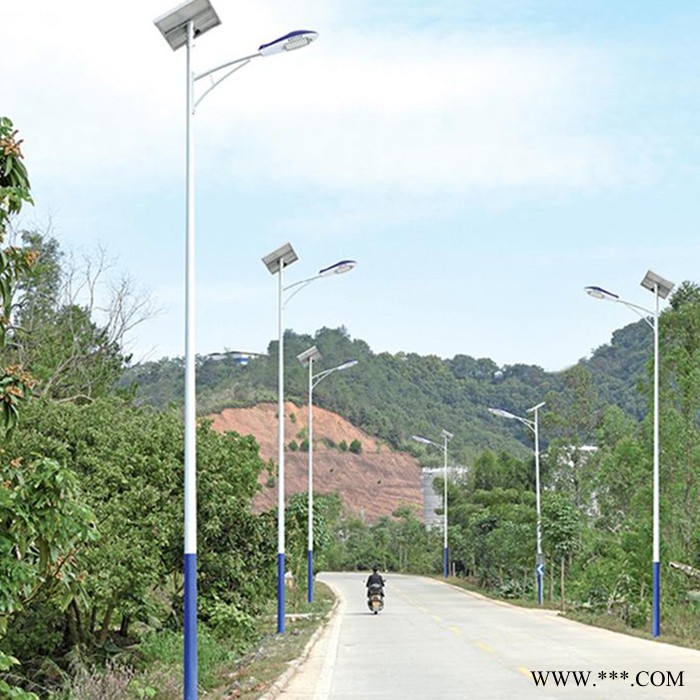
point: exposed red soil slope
(371, 484)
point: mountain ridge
(392, 397)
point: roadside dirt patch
(371, 484)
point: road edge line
(296, 665)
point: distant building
(238, 356)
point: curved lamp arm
(322, 375)
(289, 42)
(338, 268)
(237, 65)
(605, 295)
(507, 414)
(424, 440)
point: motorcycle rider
(375, 579)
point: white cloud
(367, 113)
(103, 97)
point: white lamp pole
(275, 263)
(179, 27)
(447, 436)
(661, 288)
(307, 358)
(534, 426)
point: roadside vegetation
(91, 493)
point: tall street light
(534, 426)
(276, 262)
(179, 27)
(307, 359)
(446, 438)
(660, 288)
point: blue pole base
(539, 588)
(280, 592)
(655, 622)
(190, 630)
(310, 575)
(446, 562)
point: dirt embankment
(371, 484)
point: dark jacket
(375, 578)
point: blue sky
(482, 161)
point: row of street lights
(179, 27)
(276, 262)
(447, 436)
(661, 288)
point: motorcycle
(375, 598)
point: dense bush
(128, 462)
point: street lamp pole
(534, 426)
(660, 288)
(656, 535)
(540, 559)
(179, 27)
(190, 417)
(275, 263)
(447, 436)
(307, 358)
(445, 551)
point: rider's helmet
(375, 568)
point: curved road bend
(433, 641)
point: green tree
(417, 550)
(680, 431)
(623, 469)
(326, 514)
(20, 531)
(561, 526)
(487, 472)
(233, 541)
(14, 181)
(44, 526)
(355, 548)
(69, 321)
(15, 382)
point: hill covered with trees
(393, 396)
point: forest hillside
(393, 396)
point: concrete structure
(433, 501)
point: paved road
(435, 641)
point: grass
(520, 602)
(224, 673)
(680, 626)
